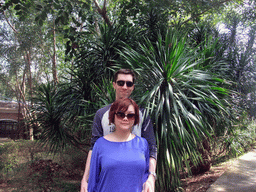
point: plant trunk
(103, 12)
(54, 65)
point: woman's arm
(149, 185)
(84, 182)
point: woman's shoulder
(141, 143)
(141, 139)
(100, 141)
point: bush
(242, 139)
(237, 142)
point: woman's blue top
(119, 166)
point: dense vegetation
(196, 81)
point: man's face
(123, 91)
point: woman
(120, 160)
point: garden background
(195, 66)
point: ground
(196, 183)
(201, 182)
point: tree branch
(9, 23)
(103, 11)
(197, 15)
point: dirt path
(201, 182)
(241, 176)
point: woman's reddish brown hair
(121, 105)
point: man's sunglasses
(128, 83)
(122, 115)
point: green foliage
(234, 141)
(183, 77)
(90, 86)
(242, 137)
(49, 116)
(180, 97)
(65, 112)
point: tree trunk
(27, 72)
(103, 12)
(54, 65)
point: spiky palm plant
(180, 99)
(49, 116)
(88, 89)
(74, 102)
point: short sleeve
(97, 130)
(148, 133)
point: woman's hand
(149, 185)
(84, 182)
(84, 185)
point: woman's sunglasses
(122, 115)
(128, 83)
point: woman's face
(125, 121)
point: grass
(26, 166)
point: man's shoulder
(141, 109)
(103, 110)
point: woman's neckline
(133, 137)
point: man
(124, 85)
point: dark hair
(126, 72)
(121, 105)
